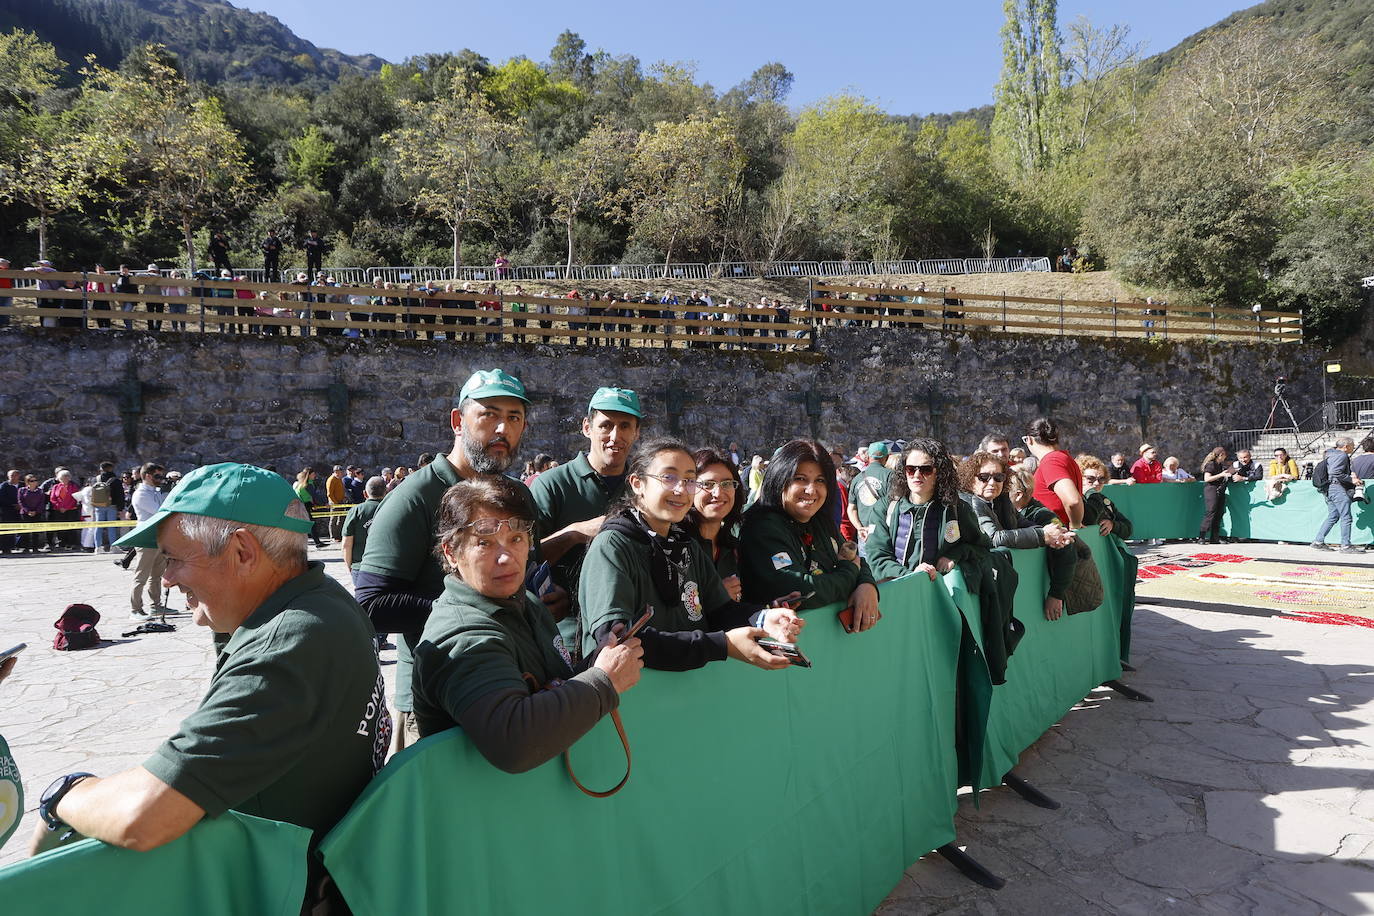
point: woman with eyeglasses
(790, 541)
(489, 649)
(1097, 508)
(714, 517)
(984, 477)
(643, 560)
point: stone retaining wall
(75, 398)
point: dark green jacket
(779, 555)
(1097, 508)
(1059, 561)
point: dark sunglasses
(999, 477)
(923, 469)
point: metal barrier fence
(1351, 414)
(408, 274)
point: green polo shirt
(617, 584)
(868, 492)
(356, 525)
(474, 645)
(400, 542)
(779, 555)
(294, 724)
(565, 495)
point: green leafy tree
(460, 163)
(845, 153)
(582, 178)
(54, 166)
(679, 182)
(179, 155)
(310, 156)
(1029, 119)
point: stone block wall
(75, 398)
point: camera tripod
(1280, 401)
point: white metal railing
(409, 274)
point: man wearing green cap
(294, 723)
(868, 491)
(399, 576)
(573, 497)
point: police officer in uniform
(314, 255)
(271, 256)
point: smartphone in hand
(787, 650)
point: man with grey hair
(996, 444)
(293, 725)
(1341, 482)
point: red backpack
(76, 628)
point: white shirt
(147, 500)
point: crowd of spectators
(525, 605)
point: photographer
(1340, 484)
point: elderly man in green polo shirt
(294, 723)
(400, 576)
(573, 497)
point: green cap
(492, 383)
(877, 450)
(237, 492)
(622, 400)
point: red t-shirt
(847, 530)
(1147, 471)
(1054, 467)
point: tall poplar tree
(1029, 121)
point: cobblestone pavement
(1246, 787)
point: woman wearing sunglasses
(488, 648)
(925, 526)
(984, 477)
(643, 561)
(714, 517)
(790, 538)
(1097, 508)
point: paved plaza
(1246, 787)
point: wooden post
(85, 302)
(1004, 311)
(1061, 316)
(1113, 317)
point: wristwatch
(47, 802)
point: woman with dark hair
(644, 561)
(983, 477)
(909, 537)
(715, 514)
(488, 648)
(789, 540)
(1215, 476)
(1058, 480)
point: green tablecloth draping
(225, 866)
(1174, 510)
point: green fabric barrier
(1159, 510)
(1057, 663)
(224, 866)
(1296, 516)
(1174, 510)
(845, 772)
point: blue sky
(910, 57)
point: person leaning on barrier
(715, 514)
(790, 541)
(488, 647)
(1058, 481)
(1097, 508)
(983, 480)
(643, 560)
(1173, 471)
(293, 725)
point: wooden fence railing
(166, 304)
(951, 309)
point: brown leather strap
(535, 687)
(624, 742)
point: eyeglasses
(922, 469)
(709, 486)
(1093, 478)
(486, 527)
(673, 482)
(999, 477)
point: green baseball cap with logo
(877, 450)
(492, 383)
(622, 400)
(236, 492)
